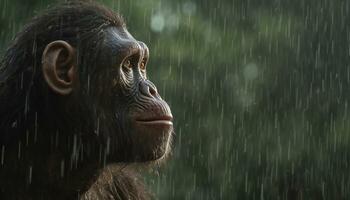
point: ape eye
(127, 63)
(143, 64)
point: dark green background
(259, 90)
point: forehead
(119, 41)
(119, 34)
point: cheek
(122, 86)
(100, 87)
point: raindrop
(88, 84)
(30, 174)
(19, 150)
(74, 150)
(36, 128)
(100, 154)
(62, 168)
(2, 154)
(108, 145)
(104, 158)
(97, 131)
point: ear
(59, 67)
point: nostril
(148, 89)
(152, 91)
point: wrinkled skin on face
(125, 94)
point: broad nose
(148, 89)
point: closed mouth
(167, 120)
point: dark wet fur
(25, 102)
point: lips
(161, 120)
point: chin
(152, 139)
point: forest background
(259, 90)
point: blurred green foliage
(259, 90)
